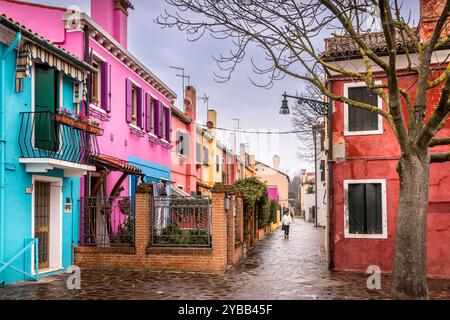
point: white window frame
(347, 132)
(347, 233)
(183, 132)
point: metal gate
(107, 222)
(42, 221)
(181, 221)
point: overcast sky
(256, 108)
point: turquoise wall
(18, 219)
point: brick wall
(216, 259)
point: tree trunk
(410, 256)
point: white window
(359, 121)
(134, 103)
(365, 211)
(182, 143)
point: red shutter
(128, 100)
(148, 112)
(140, 108)
(106, 86)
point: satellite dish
(187, 102)
(210, 125)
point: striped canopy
(30, 52)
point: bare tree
(288, 32)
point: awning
(178, 192)
(204, 185)
(116, 164)
(30, 52)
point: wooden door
(46, 95)
(42, 221)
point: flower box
(94, 130)
(80, 125)
(64, 119)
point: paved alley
(293, 269)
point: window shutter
(140, 108)
(374, 223)
(91, 76)
(158, 119)
(106, 86)
(168, 124)
(128, 100)
(356, 208)
(198, 153)
(148, 112)
(359, 119)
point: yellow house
(278, 219)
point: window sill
(136, 130)
(98, 113)
(366, 236)
(363, 133)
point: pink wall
(33, 15)
(102, 11)
(121, 27)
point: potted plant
(65, 116)
(81, 122)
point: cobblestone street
(276, 269)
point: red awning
(118, 164)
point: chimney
(190, 103)
(430, 11)
(112, 15)
(276, 163)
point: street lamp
(318, 106)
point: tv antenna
(183, 77)
(205, 100)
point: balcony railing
(41, 136)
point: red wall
(376, 157)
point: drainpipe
(8, 51)
(330, 183)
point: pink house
(131, 104)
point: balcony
(46, 143)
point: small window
(217, 163)
(205, 156)
(182, 142)
(365, 206)
(360, 120)
(97, 83)
(134, 103)
(198, 153)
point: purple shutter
(168, 124)
(91, 76)
(128, 100)
(148, 112)
(140, 109)
(158, 119)
(105, 81)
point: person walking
(287, 221)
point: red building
(363, 158)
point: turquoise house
(43, 154)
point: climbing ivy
(256, 199)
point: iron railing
(107, 222)
(41, 136)
(181, 221)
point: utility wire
(258, 131)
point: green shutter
(360, 119)
(374, 224)
(46, 95)
(356, 208)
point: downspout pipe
(3, 58)
(330, 183)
